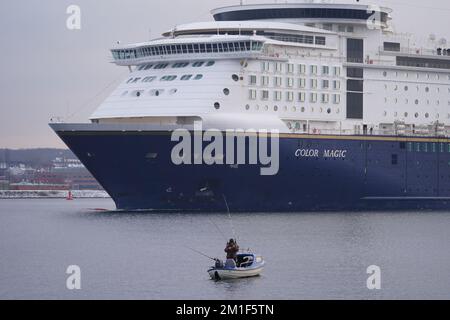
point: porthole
(235, 77)
(328, 110)
(427, 115)
(406, 114)
(427, 89)
(416, 115)
(138, 93)
(384, 74)
(217, 105)
(247, 107)
(226, 91)
(417, 101)
(173, 91)
(303, 109)
(275, 108)
(406, 88)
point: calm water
(143, 256)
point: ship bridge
(307, 13)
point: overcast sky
(49, 71)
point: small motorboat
(247, 265)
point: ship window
(149, 66)
(217, 106)
(325, 84)
(301, 96)
(141, 67)
(252, 94)
(129, 80)
(264, 94)
(136, 80)
(320, 40)
(235, 77)
(156, 92)
(168, 78)
(198, 77)
(198, 64)
(301, 68)
(289, 96)
(252, 80)
(161, 66)
(180, 65)
(394, 159)
(392, 46)
(277, 95)
(410, 147)
(186, 77)
(148, 79)
(226, 91)
(210, 63)
(173, 91)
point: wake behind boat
(246, 265)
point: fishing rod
(201, 253)
(229, 216)
(217, 227)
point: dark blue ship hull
(377, 173)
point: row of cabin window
(291, 68)
(166, 78)
(406, 74)
(175, 65)
(290, 82)
(427, 89)
(428, 147)
(289, 96)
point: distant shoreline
(53, 194)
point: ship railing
(420, 51)
(368, 132)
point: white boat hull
(224, 274)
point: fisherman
(232, 249)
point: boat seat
(230, 263)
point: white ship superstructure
(338, 69)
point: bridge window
(210, 63)
(198, 77)
(320, 40)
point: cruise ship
(360, 114)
